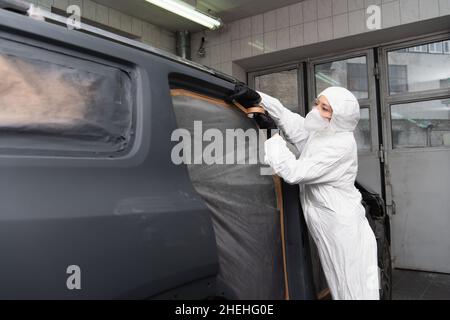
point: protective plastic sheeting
(243, 205)
(50, 101)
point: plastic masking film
(45, 105)
(243, 206)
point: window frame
(48, 50)
(388, 100)
(405, 45)
(341, 58)
(412, 147)
(300, 81)
(370, 101)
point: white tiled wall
(304, 23)
(390, 13)
(147, 32)
(409, 11)
(444, 7)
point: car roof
(25, 7)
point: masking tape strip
(279, 192)
(183, 92)
(324, 294)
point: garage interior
(399, 70)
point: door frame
(300, 80)
(386, 101)
(370, 102)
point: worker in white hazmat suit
(326, 171)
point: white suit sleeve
(326, 166)
(292, 124)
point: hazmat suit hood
(345, 106)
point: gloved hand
(249, 98)
(245, 96)
(264, 121)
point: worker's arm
(319, 168)
(292, 124)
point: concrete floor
(417, 285)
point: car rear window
(59, 103)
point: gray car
(92, 204)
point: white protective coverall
(326, 172)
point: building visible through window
(435, 47)
(357, 77)
(442, 47)
(447, 47)
(398, 78)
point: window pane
(421, 124)
(446, 47)
(435, 47)
(419, 68)
(350, 73)
(46, 105)
(362, 131)
(283, 85)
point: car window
(54, 102)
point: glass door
(416, 126)
(284, 83)
(356, 72)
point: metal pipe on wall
(183, 44)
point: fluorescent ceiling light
(189, 12)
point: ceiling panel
(227, 10)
